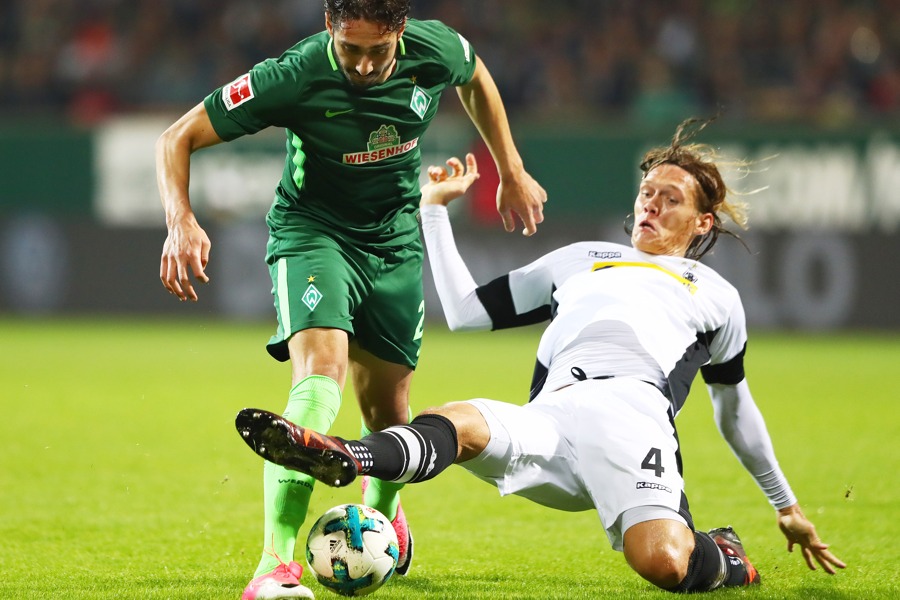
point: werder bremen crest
(420, 101)
(312, 296)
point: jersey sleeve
(523, 296)
(726, 362)
(455, 286)
(532, 286)
(497, 299)
(741, 424)
(255, 100)
(455, 52)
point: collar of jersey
(333, 61)
(690, 285)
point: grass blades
(121, 475)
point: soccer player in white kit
(630, 327)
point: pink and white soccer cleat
(404, 535)
(281, 584)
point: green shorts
(372, 293)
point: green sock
(312, 403)
(383, 496)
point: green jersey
(353, 155)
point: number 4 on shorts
(653, 462)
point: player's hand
(444, 186)
(800, 530)
(186, 249)
(523, 196)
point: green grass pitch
(121, 475)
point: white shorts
(604, 444)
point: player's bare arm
(518, 193)
(186, 249)
(800, 530)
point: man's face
(365, 51)
(666, 218)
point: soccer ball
(352, 549)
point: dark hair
(701, 161)
(390, 13)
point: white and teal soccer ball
(352, 549)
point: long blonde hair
(702, 162)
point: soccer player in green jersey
(344, 250)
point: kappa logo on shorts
(312, 296)
(649, 485)
(237, 92)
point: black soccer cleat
(729, 542)
(322, 457)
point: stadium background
(809, 90)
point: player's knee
(472, 431)
(453, 411)
(661, 560)
(663, 567)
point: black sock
(736, 571)
(408, 453)
(705, 566)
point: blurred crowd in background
(824, 62)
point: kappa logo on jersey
(649, 485)
(237, 92)
(383, 143)
(596, 254)
(420, 101)
(312, 296)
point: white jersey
(620, 315)
(619, 312)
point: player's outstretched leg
(277, 440)
(401, 453)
